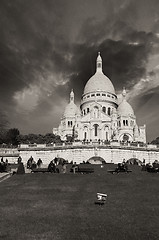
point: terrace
(89, 144)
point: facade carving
(100, 116)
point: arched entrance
(125, 138)
(96, 160)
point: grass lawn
(61, 206)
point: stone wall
(10, 154)
(80, 154)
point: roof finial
(99, 63)
(72, 96)
(124, 93)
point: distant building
(100, 117)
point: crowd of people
(31, 164)
(56, 165)
(122, 167)
(60, 165)
(154, 167)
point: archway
(96, 160)
(125, 138)
(134, 161)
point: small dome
(125, 108)
(71, 110)
(99, 82)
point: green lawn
(61, 206)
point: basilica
(101, 117)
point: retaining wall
(78, 155)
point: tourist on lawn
(74, 167)
(34, 165)
(21, 169)
(64, 167)
(39, 162)
(52, 167)
(56, 161)
(7, 167)
(29, 163)
(19, 160)
(2, 165)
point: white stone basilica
(100, 116)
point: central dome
(99, 82)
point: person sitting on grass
(39, 162)
(2, 165)
(74, 167)
(34, 165)
(52, 167)
(64, 167)
(21, 169)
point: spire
(124, 93)
(99, 63)
(72, 96)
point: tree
(13, 136)
(39, 138)
(3, 127)
(156, 141)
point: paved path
(4, 176)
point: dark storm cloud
(35, 40)
(48, 47)
(124, 62)
(125, 45)
(31, 44)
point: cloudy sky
(48, 47)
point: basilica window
(87, 110)
(96, 112)
(106, 135)
(108, 95)
(109, 111)
(84, 112)
(99, 65)
(106, 129)
(85, 135)
(103, 94)
(96, 130)
(98, 94)
(126, 122)
(92, 95)
(104, 109)
(88, 96)
(70, 123)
